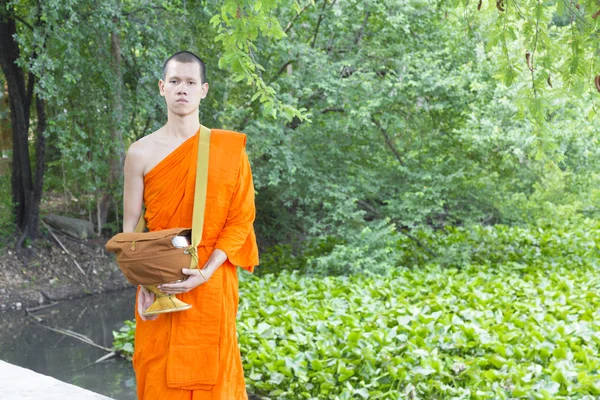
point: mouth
(181, 101)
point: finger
(139, 304)
(145, 300)
(191, 272)
(172, 290)
(140, 311)
(147, 318)
(176, 291)
(168, 286)
(146, 293)
(171, 285)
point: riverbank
(34, 341)
(43, 272)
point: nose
(181, 88)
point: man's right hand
(145, 300)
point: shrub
(481, 332)
(379, 247)
(123, 340)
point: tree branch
(283, 67)
(148, 120)
(135, 11)
(388, 140)
(362, 30)
(74, 335)
(400, 228)
(321, 16)
(291, 23)
(332, 109)
(21, 20)
(30, 87)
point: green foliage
(373, 249)
(239, 24)
(379, 247)
(410, 124)
(284, 257)
(123, 340)
(483, 332)
(422, 113)
(518, 319)
(547, 48)
(545, 246)
(97, 67)
(7, 223)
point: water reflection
(24, 343)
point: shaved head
(186, 57)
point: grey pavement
(18, 383)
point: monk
(192, 354)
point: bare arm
(133, 191)
(133, 198)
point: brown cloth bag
(151, 258)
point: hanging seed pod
(596, 15)
(597, 82)
(549, 81)
(500, 5)
(528, 59)
(479, 5)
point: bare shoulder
(140, 152)
(143, 145)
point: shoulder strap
(199, 195)
(141, 225)
(200, 191)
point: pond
(25, 343)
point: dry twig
(64, 248)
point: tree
(27, 193)
(422, 112)
(551, 44)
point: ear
(161, 87)
(204, 90)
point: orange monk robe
(194, 354)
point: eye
(173, 81)
(192, 82)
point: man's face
(182, 87)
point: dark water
(24, 343)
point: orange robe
(194, 354)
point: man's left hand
(195, 279)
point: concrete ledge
(23, 384)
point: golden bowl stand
(164, 303)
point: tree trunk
(117, 156)
(19, 112)
(116, 166)
(40, 166)
(26, 197)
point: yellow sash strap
(199, 196)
